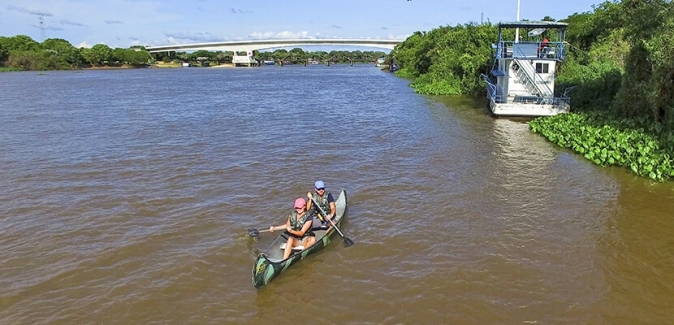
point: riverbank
(107, 67)
(224, 65)
(179, 65)
(160, 65)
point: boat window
(542, 67)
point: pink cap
(300, 203)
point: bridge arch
(251, 45)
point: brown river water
(125, 197)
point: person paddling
(298, 227)
(326, 202)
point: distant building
(379, 62)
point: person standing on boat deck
(326, 202)
(298, 227)
(543, 49)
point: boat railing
(564, 102)
(495, 94)
(491, 87)
(567, 90)
(494, 91)
(531, 50)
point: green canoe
(270, 264)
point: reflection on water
(131, 207)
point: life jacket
(296, 223)
(322, 201)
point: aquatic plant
(606, 141)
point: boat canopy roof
(533, 24)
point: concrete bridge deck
(250, 45)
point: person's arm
(333, 210)
(333, 207)
(285, 226)
(309, 201)
(310, 207)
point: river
(126, 195)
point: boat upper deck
(533, 24)
(541, 40)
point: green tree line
(21, 52)
(294, 56)
(620, 63)
(299, 56)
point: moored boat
(271, 263)
(522, 82)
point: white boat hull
(523, 109)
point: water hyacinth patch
(606, 141)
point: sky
(124, 23)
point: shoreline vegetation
(620, 63)
(22, 53)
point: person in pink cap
(298, 227)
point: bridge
(250, 45)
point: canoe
(271, 263)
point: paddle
(254, 232)
(347, 241)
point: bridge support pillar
(244, 58)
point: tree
(225, 56)
(19, 43)
(296, 55)
(447, 60)
(98, 54)
(265, 56)
(4, 53)
(119, 55)
(64, 50)
(202, 54)
(280, 55)
(137, 57)
(36, 60)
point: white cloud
(30, 10)
(68, 22)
